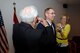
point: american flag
(4, 47)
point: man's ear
(46, 14)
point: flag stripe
(3, 39)
(4, 47)
(1, 51)
(4, 32)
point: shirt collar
(49, 22)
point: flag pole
(15, 19)
(14, 4)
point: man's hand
(43, 21)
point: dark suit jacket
(51, 47)
(29, 40)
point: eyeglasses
(51, 13)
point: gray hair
(28, 14)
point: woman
(63, 29)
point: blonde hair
(67, 18)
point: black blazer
(29, 40)
(51, 47)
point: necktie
(53, 28)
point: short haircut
(28, 14)
(47, 9)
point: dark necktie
(53, 28)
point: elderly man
(26, 38)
